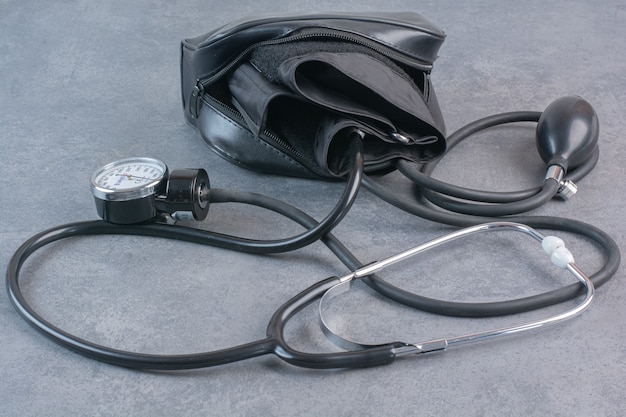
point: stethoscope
(140, 196)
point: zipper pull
(194, 101)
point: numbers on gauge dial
(128, 176)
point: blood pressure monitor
(135, 190)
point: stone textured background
(83, 83)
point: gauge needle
(133, 177)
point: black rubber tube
(312, 234)
(481, 202)
(314, 231)
(137, 360)
(545, 194)
(601, 238)
(274, 343)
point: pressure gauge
(128, 179)
(135, 190)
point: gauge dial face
(128, 178)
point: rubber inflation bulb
(567, 132)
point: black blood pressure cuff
(283, 94)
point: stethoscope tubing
(275, 341)
(549, 244)
(453, 308)
(499, 308)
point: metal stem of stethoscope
(553, 246)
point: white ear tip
(551, 243)
(562, 257)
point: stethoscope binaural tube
(552, 245)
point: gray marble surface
(83, 83)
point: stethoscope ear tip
(559, 254)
